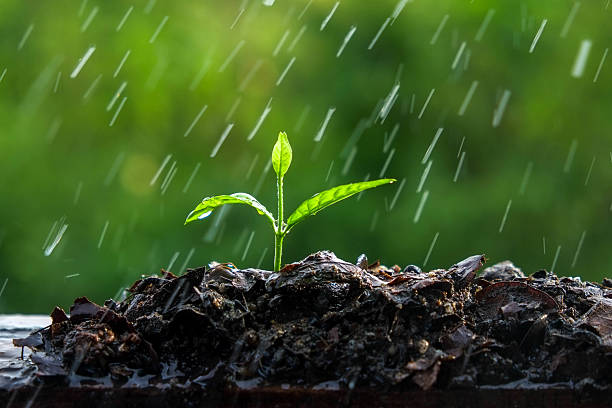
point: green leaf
(281, 154)
(209, 204)
(328, 197)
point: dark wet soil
(327, 324)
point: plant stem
(278, 251)
(279, 234)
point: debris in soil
(327, 324)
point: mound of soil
(326, 324)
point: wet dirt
(327, 324)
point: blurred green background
(100, 165)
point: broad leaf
(209, 204)
(328, 197)
(281, 154)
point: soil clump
(327, 324)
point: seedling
(281, 160)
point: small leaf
(328, 197)
(209, 204)
(281, 154)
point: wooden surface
(17, 326)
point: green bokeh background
(62, 164)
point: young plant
(281, 160)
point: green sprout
(281, 160)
